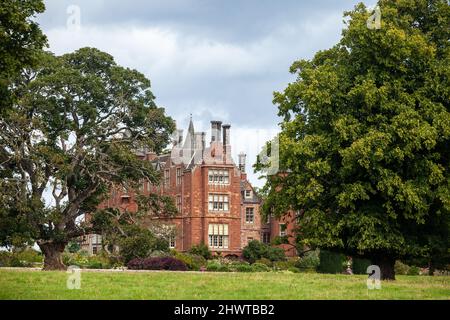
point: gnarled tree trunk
(386, 265)
(53, 255)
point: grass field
(25, 284)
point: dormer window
(248, 194)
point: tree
(74, 132)
(20, 40)
(364, 144)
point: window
(178, 176)
(172, 241)
(216, 176)
(218, 202)
(166, 178)
(282, 230)
(248, 194)
(218, 236)
(97, 239)
(94, 250)
(249, 215)
(265, 237)
(125, 200)
(179, 204)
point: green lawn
(25, 284)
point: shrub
(201, 250)
(157, 263)
(99, 261)
(241, 267)
(400, 268)
(360, 265)
(310, 261)
(217, 266)
(413, 271)
(5, 258)
(260, 267)
(330, 262)
(256, 250)
(22, 258)
(192, 261)
(265, 261)
(140, 244)
(282, 265)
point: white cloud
(210, 78)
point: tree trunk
(53, 255)
(386, 265)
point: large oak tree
(73, 133)
(365, 138)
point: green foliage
(265, 261)
(73, 247)
(241, 267)
(140, 243)
(21, 258)
(20, 41)
(256, 250)
(215, 265)
(401, 268)
(192, 261)
(365, 136)
(260, 267)
(294, 269)
(331, 262)
(360, 265)
(201, 250)
(83, 260)
(309, 261)
(413, 271)
(94, 115)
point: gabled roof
(244, 186)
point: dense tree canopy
(20, 40)
(365, 137)
(73, 133)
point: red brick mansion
(216, 203)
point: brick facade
(217, 204)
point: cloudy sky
(217, 60)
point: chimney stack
(242, 157)
(226, 143)
(215, 131)
(179, 137)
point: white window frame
(218, 176)
(218, 236)
(172, 241)
(252, 215)
(218, 202)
